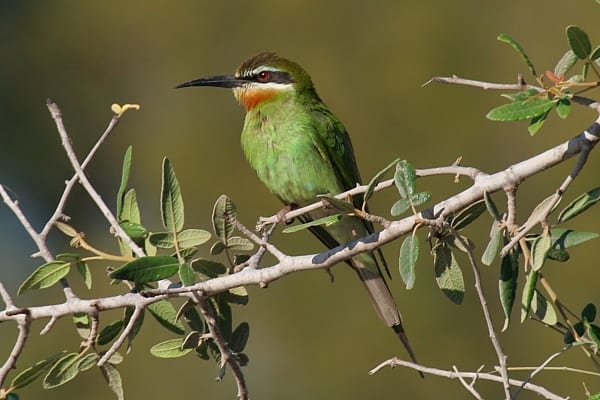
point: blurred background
(309, 338)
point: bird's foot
(282, 214)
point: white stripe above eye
(269, 86)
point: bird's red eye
(263, 76)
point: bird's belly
(294, 171)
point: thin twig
(137, 312)
(227, 356)
(502, 366)
(106, 212)
(23, 323)
(537, 370)
(394, 362)
(469, 387)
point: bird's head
(261, 78)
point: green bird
(299, 150)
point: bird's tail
(381, 298)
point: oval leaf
(169, 349)
(579, 41)
(521, 110)
(405, 179)
(147, 269)
(113, 378)
(166, 315)
(239, 337)
(580, 204)
(187, 275)
(509, 273)
(171, 200)
(32, 373)
(221, 225)
(237, 243)
(565, 238)
(210, 268)
(62, 372)
(468, 215)
(448, 274)
(400, 207)
(493, 245)
(109, 332)
(192, 237)
(566, 62)
(409, 254)
(539, 250)
(543, 309)
(527, 295)
(45, 276)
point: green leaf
(45, 276)
(509, 273)
(409, 254)
(82, 324)
(169, 349)
(580, 204)
(190, 316)
(448, 274)
(221, 225)
(327, 221)
(166, 315)
(193, 340)
(147, 269)
(519, 49)
(236, 295)
(210, 268)
(131, 210)
(113, 378)
(566, 62)
(589, 313)
(521, 110)
(84, 271)
(536, 123)
(493, 245)
(565, 238)
(543, 309)
(375, 181)
(543, 209)
(491, 206)
(32, 373)
(62, 372)
(563, 107)
(192, 237)
(595, 54)
(218, 247)
(109, 332)
(405, 179)
(187, 275)
(539, 250)
(162, 240)
(239, 337)
(338, 204)
(124, 182)
(134, 230)
(467, 215)
(88, 361)
(236, 243)
(400, 207)
(579, 41)
(528, 292)
(420, 198)
(558, 255)
(520, 96)
(171, 200)
(569, 337)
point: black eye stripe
(273, 76)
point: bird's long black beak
(224, 81)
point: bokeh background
(309, 338)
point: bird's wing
(333, 140)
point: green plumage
(299, 150)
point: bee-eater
(299, 150)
